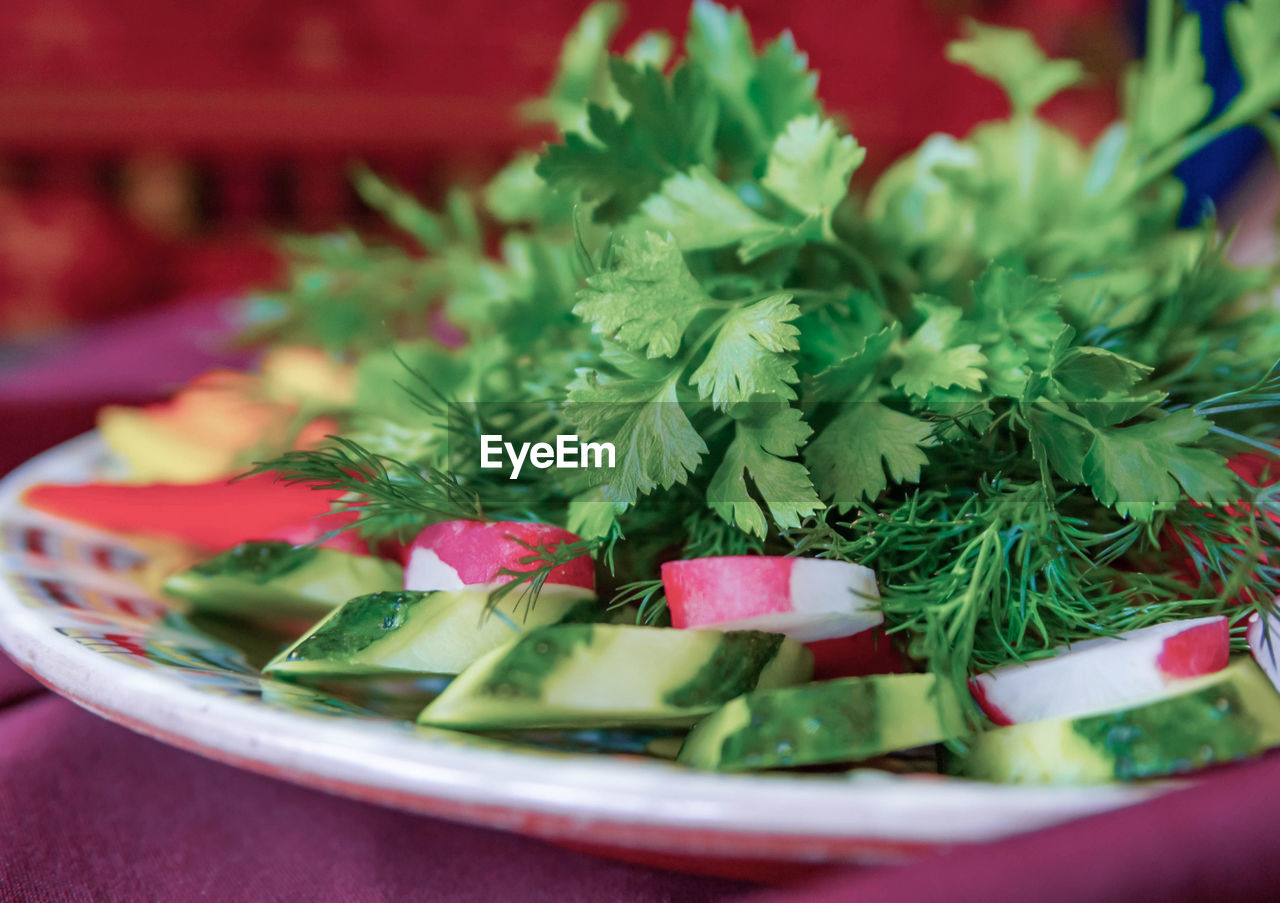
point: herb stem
(858, 261)
(1065, 414)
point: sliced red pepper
(215, 515)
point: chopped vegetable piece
(459, 553)
(833, 721)
(215, 515)
(806, 598)
(1264, 643)
(273, 580)
(601, 675)
(1213, 719)
(1104, 674)
(437, 632)
(201, 433)
(858, 655)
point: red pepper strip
(215, 515)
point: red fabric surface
(1215, 843)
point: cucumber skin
(274, 580)
(356, 625)
(508, 688)
(335, 647)
(843, 720)
(1223, 717)
(257, 562)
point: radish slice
(860, 655)
(460, 553)
(1264, 643)
(808, 599)
(1104, 674)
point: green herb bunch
(1004, 377)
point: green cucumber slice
(605, 675)
(277, 580)
(417, 632)
(1228, 715)
(843, 720)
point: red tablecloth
(92, 812)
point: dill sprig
(648, 597)
(390, 497)
(537, 566)
(977, 579)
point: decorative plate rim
(607, 800)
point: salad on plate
(670, 434)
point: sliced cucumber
(1231, 714)
(843, 720)
(277, 580)
(422, 632)
(602, 675)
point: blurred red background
(148, 149)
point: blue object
(1213, 171)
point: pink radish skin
(1264, 643)
(459, 553)
(808, 599)
(1103, 674)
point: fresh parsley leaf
(1088, 373)
(765, 436)
(931, 358)
(1254, 29)
(1148, 467)
(1059, 445)
(517, 194)
(757, 95)
(651, 48)
(701, 212)
(401, 208)
(582, 74)
(1010, 57)
(850, 457)
(1015, 322)
(810, 164)
(851, 376)
(648, 301)
(592, 515)
(668, 127)
(1166, 94)
(784, 86)
(656, 444)
(750, 354)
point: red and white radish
(1103, 674)
(459, 553)
(808, 599)
(1264, 643)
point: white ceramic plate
(71, 616)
